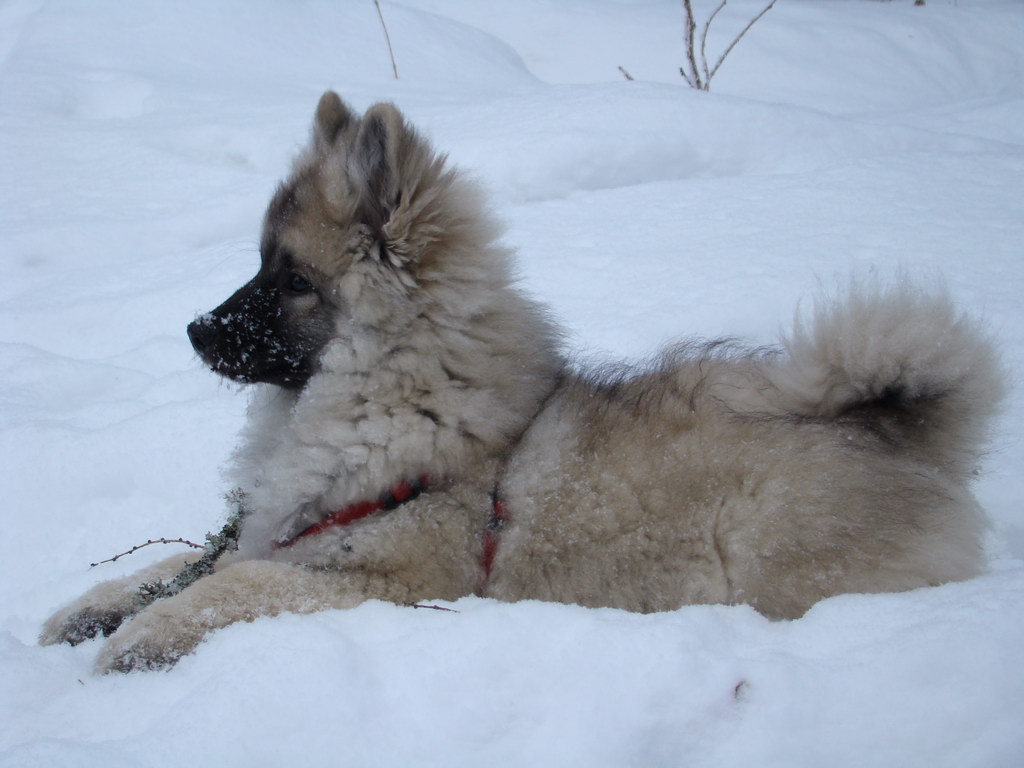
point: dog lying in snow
(415, 432)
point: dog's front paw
(106, 606)
(155, 639)
(74, 625)
(129, 657)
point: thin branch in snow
(432, 607)
(704, 42)
(387, 38)
(693, 79)
(739, 37)
(625, 74)
(216, 545)
(137, 547)
(698, 76)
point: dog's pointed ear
(384, 149)
(332, 118)
(401, 185)
(377, 157)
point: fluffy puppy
(415, 432)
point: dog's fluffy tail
(900, 361)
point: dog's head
(364, 218)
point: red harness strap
(400, 494)
(397, 496)
(492, 534)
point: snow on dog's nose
(201, 332)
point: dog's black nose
(200, 333)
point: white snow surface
(139, 144)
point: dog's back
(838, 465)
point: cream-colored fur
(839, 463)
(102, 608)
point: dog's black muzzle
(246, 339)
(202, 333)
(237, 339)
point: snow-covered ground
(139, 142)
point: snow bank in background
(565, 139)
(140, 143)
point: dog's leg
(104, 608)
(172, 627)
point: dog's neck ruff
(395, 497)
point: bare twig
(137, 547)
(732, 45)
(216, 545)
(693, 79)
(387, 38)
(432, 607)
(625, 74)
(699, 76)
(704, 41)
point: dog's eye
(296, 283)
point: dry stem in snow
(137, 547)
(387, 38)
(699, 76)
